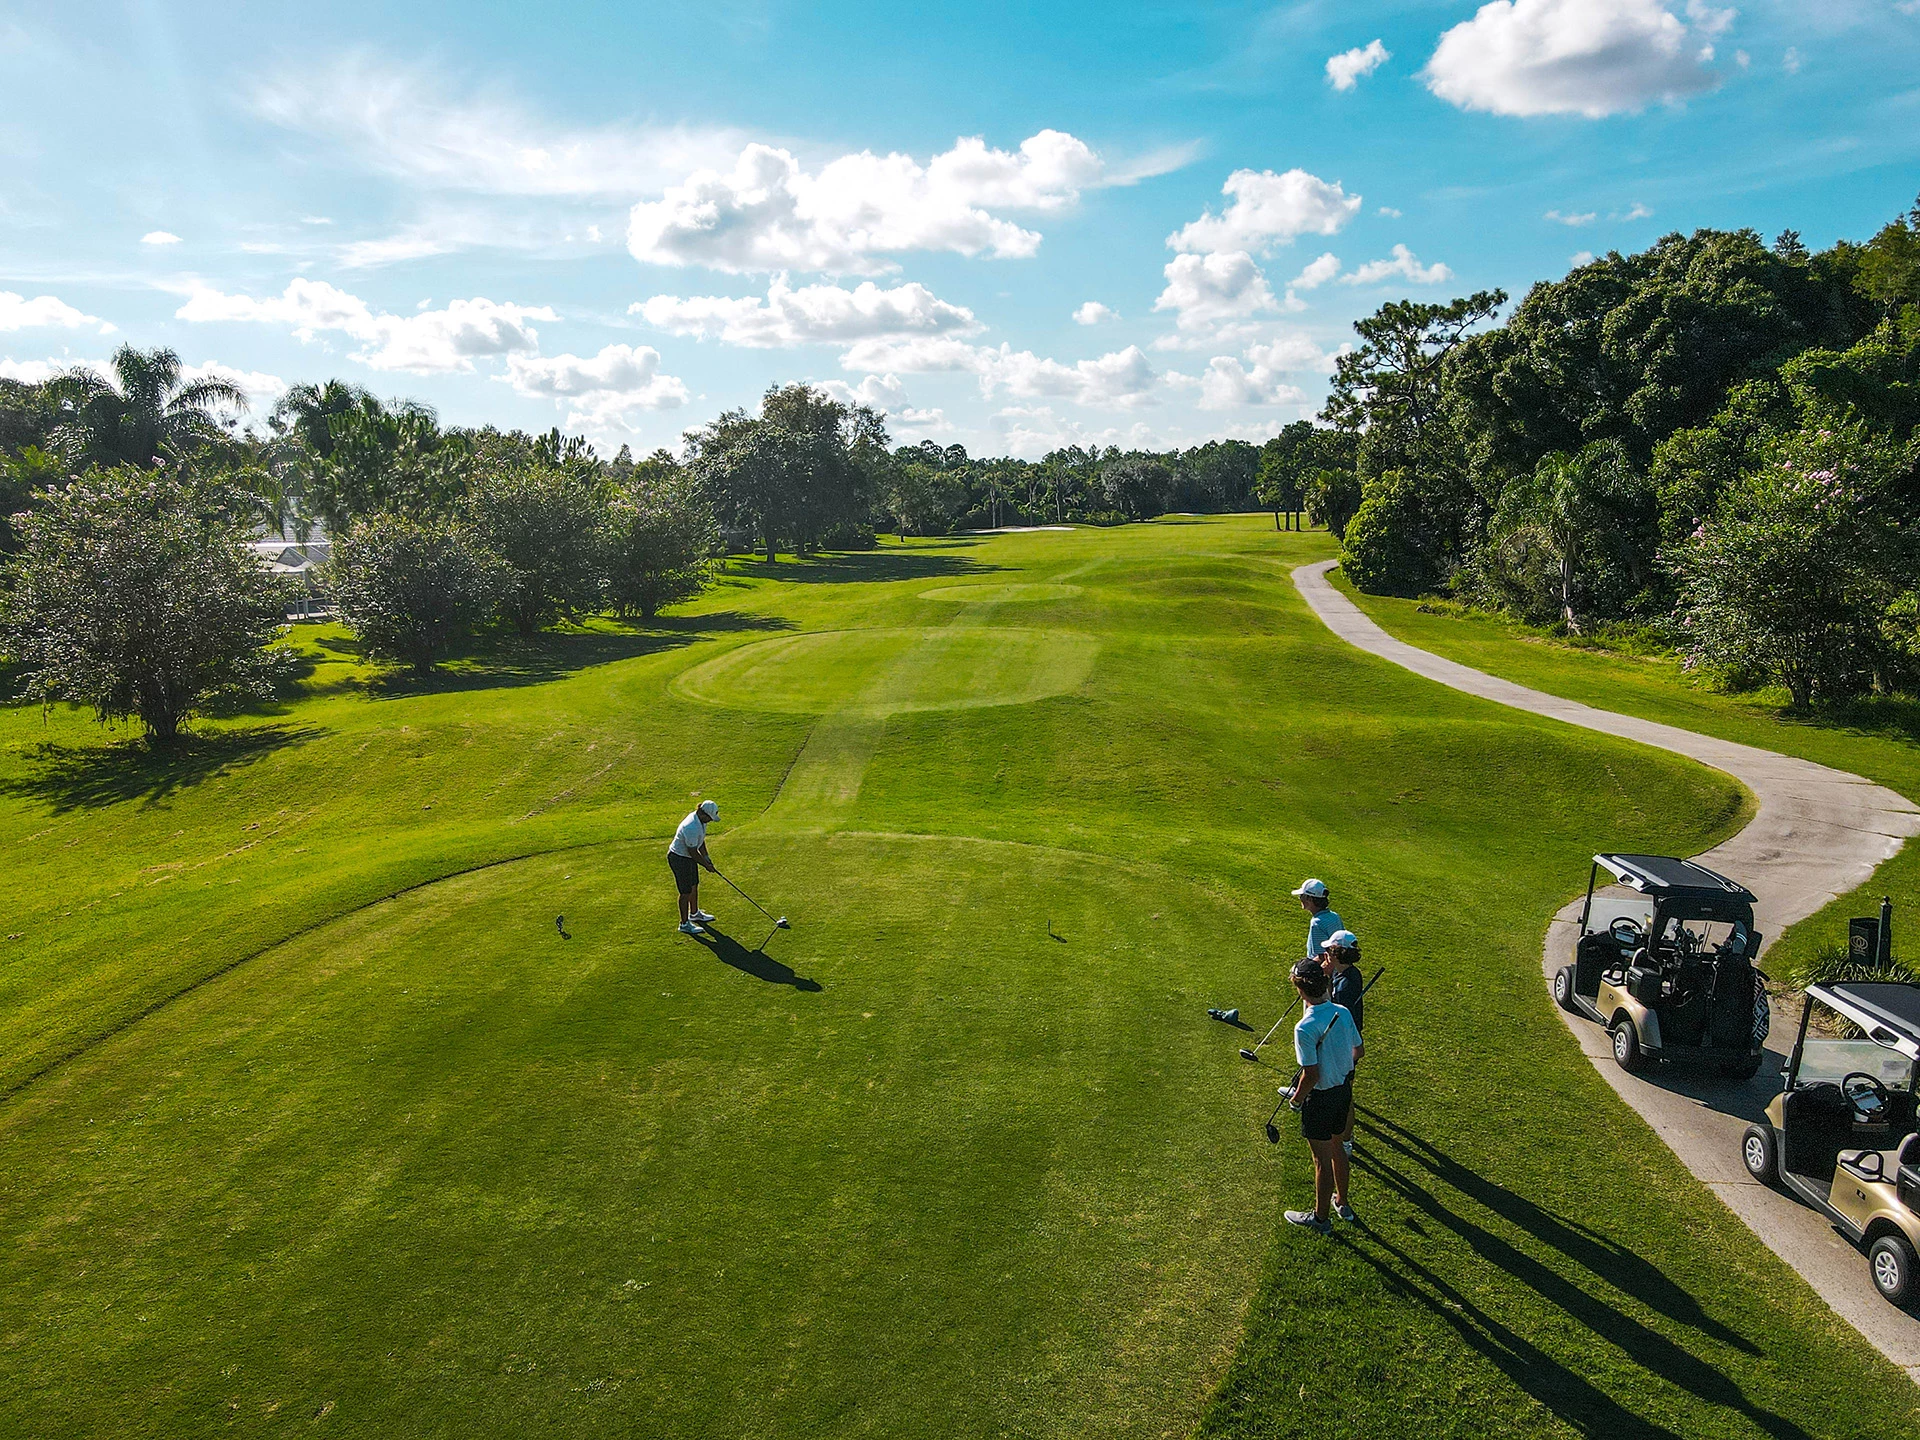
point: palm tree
(139, 412)
(307, 412)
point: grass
(314, 1120)
(1879, 740)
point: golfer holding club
(1327, 1045)
(1322, 919)
(686, 857)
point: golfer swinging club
(685, 857)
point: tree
(366, 458)
(410, 588)
(742, 464)
(139, 412)
(1290, 460)
(21, 475)
(1136, 484)
(544, 522)
(661, 538)
(1792, 580)
(134, 593)
(1332, 498)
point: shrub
(661, 538)
(410, 588)
(134, 593)
(544, 522)
(1388, 546)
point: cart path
(1818, 833)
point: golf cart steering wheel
(1628, 933)
(1859, 1086)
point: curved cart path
(1818, 833)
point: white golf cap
(709, 809)
(1341, 940)
(1316, 888)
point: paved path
(1818, 833)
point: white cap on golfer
(1315, 888)
(1341, 940)
(709, 809)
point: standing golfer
(1322, 920)
(1327, 1046)
(1347, 988)
(685, 857)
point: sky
(1012, 227)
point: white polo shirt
(691, 835)
(1326, 1037)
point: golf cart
(1664, 960)
(1840, 1135)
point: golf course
(355, 1080)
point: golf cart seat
(1907, 1164)
(1819, 1126)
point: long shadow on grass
(86, 777)
(1407, 1165)
(756, 963)
(926, 563)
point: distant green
(315, 1121)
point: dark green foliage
(21, 474)
(1293, 459)
(361, 457)
(1137, 484)
(139, 412)
(1332, 498)
(134, 593)
(410, 589)
(661, 538)
(1398, 541)
(544, 522)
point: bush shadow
(757, 963)
(88, 777)
(1420, 1173)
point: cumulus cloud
(1404, 265)
(1579, 258)
(810, 314)
(263, 390)
(44, 312)
(1204, 290)
(33, 372)
(159, 237)
(1317, 272)
(1093, 312)
(602, 391)
(426, 343)
(414, 125)
(1573, 57)
(882, 392)
(1030, 431)
(768, 212)
(1265, 210)
(1121, 378)
(1349, 67)
(1562, 217)
(1227, 384)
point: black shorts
(1324, 1116)
(686, 871)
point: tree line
(1712, 439)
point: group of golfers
(1326, 1042)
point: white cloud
(426, 343)
(1389, 212)
(1709, 21)
(1030, 431)
(1093, 312)
(414, 243)
(1404, 264)
(33, 372)
(769, 213)
(263, 390)
(315, 220)
(1227, 384)
(1290, 353)
(1579, 258)
(811, 314)
(1317, 272)
(1790, 62)
(1636, 211)
(44, 312)
(1745, 61)
(159, 237)
(1583, 217)
(1203, 290)
(1121, 378)
(882, 392)
(411, 124)
(602, 392)
(1346, 69)
(1571, 57)
(1266, 210)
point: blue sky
(1008, 226)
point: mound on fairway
(1014, 594)
(316, 1121)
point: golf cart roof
(1888, 1010)
(1662, 875)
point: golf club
(780, 924)
(560, 924)
(1273, 1130)
(1254, 1054)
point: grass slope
(316, 1121)
(1878, 740)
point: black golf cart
(1841, 1137)
(1664, 960)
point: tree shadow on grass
(1421, 1174)
(925, 562)
(756, 963)
(87, 777)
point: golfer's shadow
(756, 963)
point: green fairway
(316, 1120)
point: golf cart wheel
(1626, 1046)
(1891, 1262)
(1761, 1152)
(1563, 987)
(1742, 1069)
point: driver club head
(1246, 1054)
(781, 924)
(1273, 1133)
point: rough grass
(315, 1120)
